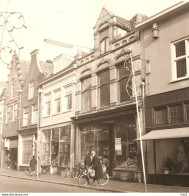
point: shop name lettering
(14, 194)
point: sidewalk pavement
(112, 186)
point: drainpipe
(38, 128)
(3, 102)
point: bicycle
(71, 173)
(84, 178)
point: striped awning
(166, 134)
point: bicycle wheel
(83, 180)
(105, 179)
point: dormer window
(104, 45)
(104, 41)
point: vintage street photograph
(94, 97)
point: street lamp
(137, 108)
(38, 128)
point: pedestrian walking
(96, 165)
(33, 164)
(87, 162)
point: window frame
(31, 90)
(100, 85)
(176, 59)
(24, 119)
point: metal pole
(138, 117)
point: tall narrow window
(25, 116)
(181, 58)
(104, 41)
(31, 90)
(57, 101)
(47, 104)
(12, 91)
(68, 98)
(34, 119)
(86, 94)
(15, 112)
(123, 83)
(104, 88)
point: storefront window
(56, 146)
(46, 147)
(27, 149)
(125, 147)
(93, 138)
(172, 156)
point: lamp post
(38, 128)
(137, 109)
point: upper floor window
(68, 97)
(124, 83)
(34, 118)
(10, 113)
(86, 94)
(160, 115)
(25, 116)
(57, 101)
(104, 40)
(15, 112)
(12, 91)
(47, 104)
(176, 113)
(104, 87)
(181, 59)
(104, 45)
(31, 90)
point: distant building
(29, 111)
(11, 110)
(165, 52)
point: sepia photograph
(94, 97)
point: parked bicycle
(86, 176)
(71, 173)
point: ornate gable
(104, 16)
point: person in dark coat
(87, 163)
(33, 164)
(97, 167)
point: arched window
(86, 94)
(104, 87)
(123, 76)
(124, 42)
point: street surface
(11, 185)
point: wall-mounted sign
(117, 144)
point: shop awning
(166, 134)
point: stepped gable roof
(47, 68)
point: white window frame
(25, 120)
(15, 111)
(57, 96)
(34, 121)
(31, 90)
(175, 59)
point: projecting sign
(117, 144)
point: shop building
(11, 112)
(105, 111)
(57, 108)
(165, 47)
(29, 115)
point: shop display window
(95, 139)
(27, 146)
(56, 146)
(172, 156)
(125, 147)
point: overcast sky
(67, 21)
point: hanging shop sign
(118, 144)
